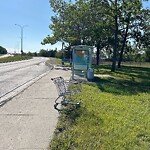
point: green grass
(14, 58)
(114, 113)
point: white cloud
(12, 50)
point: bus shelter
(82, 62)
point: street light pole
(21, 27)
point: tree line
(3, 50)
(117, 28)
(42, 53)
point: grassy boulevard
(114, 114)
(14, 58)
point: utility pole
(21, 27)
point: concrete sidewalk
(27, 122)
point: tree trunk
(114, 59)
(123, 45)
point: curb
(6, 98)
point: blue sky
(33, 13)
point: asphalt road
(15, 74)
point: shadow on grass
(126, 81)
(135, 72)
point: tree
(114, 59)
(47, 53)
(93, 22)
(82, 22)
(43, 53)
(125, 16)
(101, 25)
(143, 36)
(147, 55)
(3, 50)
(131, 19)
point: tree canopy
(109, 25)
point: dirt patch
(52, 61)
(104, 76)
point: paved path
(27, 122)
